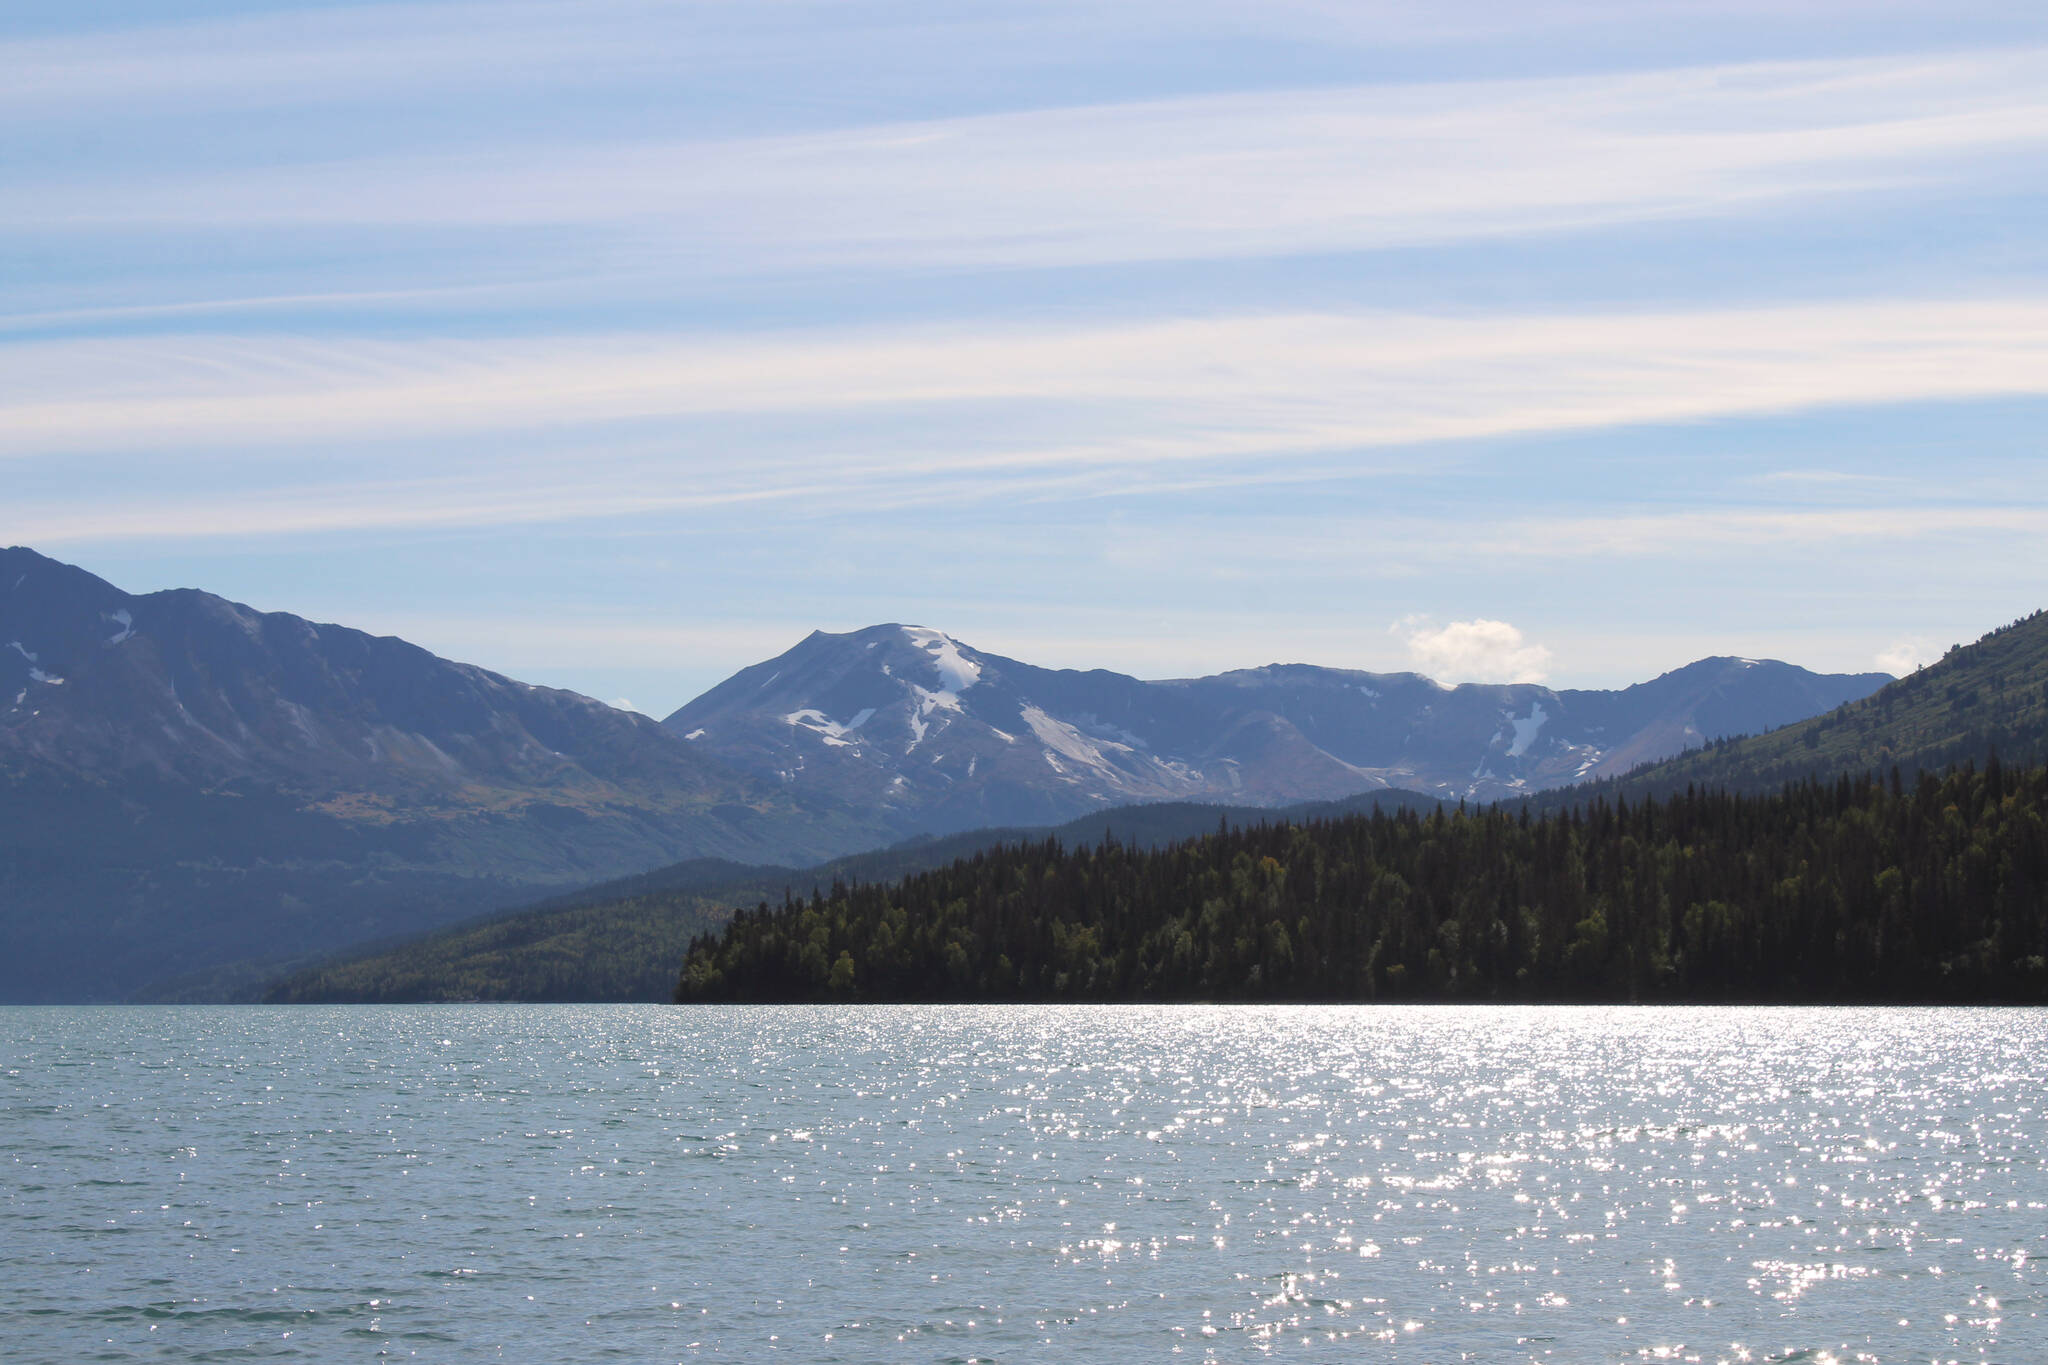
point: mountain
(185, 781)
(1986, 698)
(937, 735)
(195, 791)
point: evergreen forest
(1928, 888)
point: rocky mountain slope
(185, 781)
(941, 736)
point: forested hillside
(1849, 889)
(622, 940)
(1980, 699)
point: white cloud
(1475, 651)
(1907, 655)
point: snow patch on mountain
(124, 620)
(956, 671)
(1070, 743)
(823, 726)
(1094, 725)
(35, 674)
(929, 702)
(1526, 728)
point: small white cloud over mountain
(1475, 651)
(1906, 656)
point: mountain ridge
(913, 721)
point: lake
(558, 1183)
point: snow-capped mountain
(939, 735)
(223, 783)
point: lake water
(570, 1183)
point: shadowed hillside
(622, 940)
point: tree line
(1855, 889)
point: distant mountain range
(187, 783)
(624, 941)
(943, 736)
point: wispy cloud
(331, 54)
(1228, 175)
(1509, 541)
(1100, 396)
(1664, 535)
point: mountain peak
(26, 574)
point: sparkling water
(572, 1183)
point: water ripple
(1497, 1185)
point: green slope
(1843, 890)
(622, 940)
(1989, 697)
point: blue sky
(618, 344)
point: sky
(617, 344)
